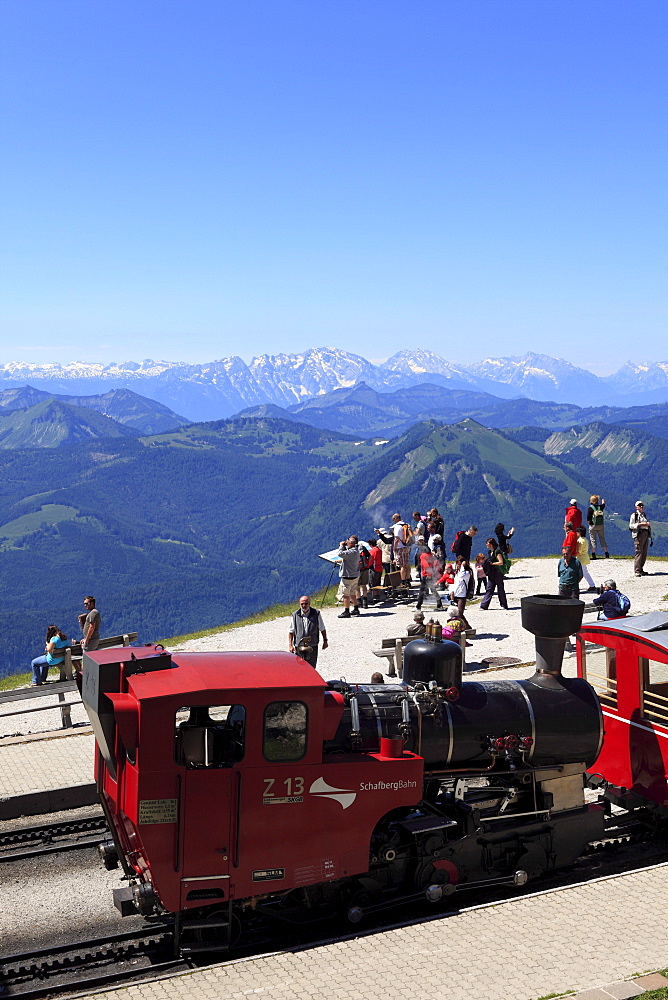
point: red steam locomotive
(237, 783)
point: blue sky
(191, 180)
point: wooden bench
(391, 588)
(392, 649)
(66, 685)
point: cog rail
(52, 838)
(75, 968)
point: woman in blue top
(56, 641)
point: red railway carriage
(626, 661)
(210, 766)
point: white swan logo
(324, 791)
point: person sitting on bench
(53, 657)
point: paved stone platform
(46, 774)
(587, 937)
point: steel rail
(51, 838)
(78, 967)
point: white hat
(573, 500)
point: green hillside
(204, 525)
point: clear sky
(187, 180)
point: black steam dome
(433, 660)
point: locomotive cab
(218, 810)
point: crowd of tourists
(368, 568)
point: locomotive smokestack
(551, 619)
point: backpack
(506, 564)
(407, 534)
(365, 560)
(453, 547)
(624, 603)
(597, 517)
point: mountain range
(221, 388)
(363, 411)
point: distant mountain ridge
(363, 410)
(221, 388)
(26, 412)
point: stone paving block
(624, 991)
(597, 994)
(653, 981)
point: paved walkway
(568, 939)
(47, 774)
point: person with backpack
(428, 575)
(595, 519)
(403, 541)
(463, 543)
(612, 604)
(494, 572)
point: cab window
(284, 730)
(654, 678)
(209, 735)
(599, 667)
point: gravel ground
(352, 640)
(58, 898)
(499, 632)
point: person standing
(460, 589)
(463, 544)
(307, 624)
(583, 556)
(349, 559)
(641, 532)
(571, 539)
(385, 543)
(503, 537)
(438, 548)
(91, 627)
(595, 520)
(376, 567)
(574, 514)
(480, 573)
(493, 566)
(403, 540)
(420, 530)
(436, 524)
(428, 575)
(569, 572)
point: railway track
(148, 952)
(52, 838)
(80, 967)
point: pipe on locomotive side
(560, 715)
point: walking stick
(327, 587)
